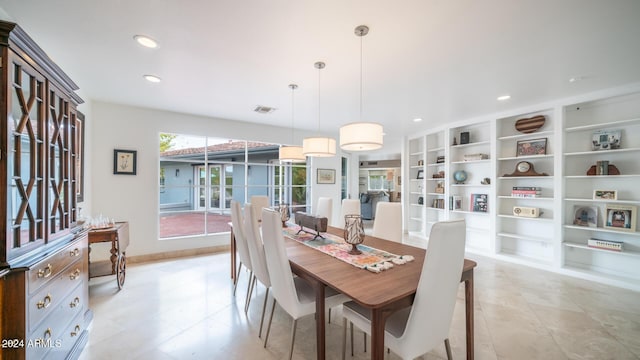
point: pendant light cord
(293, 88)
(361, 77)
(319, 68)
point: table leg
(320, 330)
(377, 334)
(114, 255)
(232, 245)
(468, 301)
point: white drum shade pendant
(291, 154)
(319, 146)
(361, 136)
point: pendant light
(319, 146)
(291, 154)
(361, 136)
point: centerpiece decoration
(353, 232)
(285, 215)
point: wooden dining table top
(370, 289)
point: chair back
(259, 202)
(432, 310)
(282, 285)
(388, 222)
(325, 208)
(238, 232)
(256, 248)
(349, 207)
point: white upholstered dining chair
(258, 202)
(349, 207)
(388, 222)
(237, 220)
(295, 295)
(258, 259)
(325, 208)
(417, 329)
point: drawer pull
(75, 252)
(47, 334)
(74, 275)
(46, 272)
(45, 302)
(75, 302)
(76, 330)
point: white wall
(135, 198)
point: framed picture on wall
(124, 162)
(326, 176)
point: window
(381, 180)
(199, 177)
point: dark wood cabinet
(44, 254)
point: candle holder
(285, 215)
(353, 232)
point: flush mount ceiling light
(361, 136)
(417, 120)
(146, 41)
(152, 78)
(292, 154)
(504, 97)
(319, 146)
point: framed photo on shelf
(585, 216)
(124, 162)
(606, 140)
(457, 202)
(479, 203)
(605, 195)
(621, 217)
(531, 147)
(420, 174)
(326, 176)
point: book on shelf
(527, 188)
(523, 195)
(479, 202)
(605, 244)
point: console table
(118, 236)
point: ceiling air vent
(264, 109)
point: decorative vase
(285, 215)
(353, 232)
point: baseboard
(177, 254)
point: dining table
(383, 293)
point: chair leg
(252, 283)
(264, 309)
(235, 284)
(273, 309)
(351, 327)
(448, 347)
(293, 337)
(344, 336)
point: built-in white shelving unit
(609, 117)
(554, 240)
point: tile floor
(184, 309)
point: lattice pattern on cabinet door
(59, 187)
(27, 164)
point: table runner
(371, 259)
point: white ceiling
(441, 60)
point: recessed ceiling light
(417, 120)
(146, 41)
(504, 97)
(152, 78)
(576, 79)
